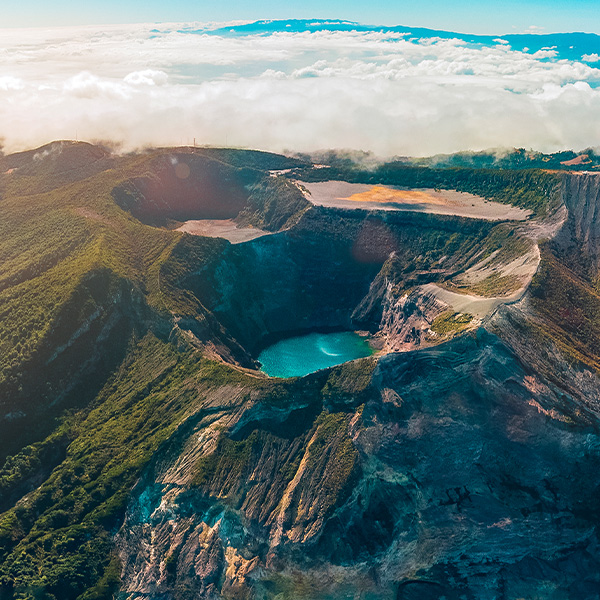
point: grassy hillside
(90, 386)
(81, 274)
(58, 541)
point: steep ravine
(83, 344)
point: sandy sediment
(222, 228)
(341, 194)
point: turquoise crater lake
(297, 356)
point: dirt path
(478, 306)
(524, 267)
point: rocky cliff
(460, 474)
(582, 236)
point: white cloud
(11, 83)
(86, 85)
(590, 57)
(146, 77)
(373, 91)
(545, 53)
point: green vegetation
(569, 306)
(108, 584)
(322, 445)
(503, 245)
(518, 158)
(332, 455)
(350, 381)
(230, 459)
(88, 380)
(190, 256)
(74, 264)
(449, 323)
(59, 539)
(274, 203)
(332, 427)
(496, 284)
(22, 470)
(72, 259)
(506, 243)
(252, 159)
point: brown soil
(380, 193)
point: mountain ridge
(569, 45)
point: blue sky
(472, 16)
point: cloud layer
(378, 91)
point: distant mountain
(570, 46)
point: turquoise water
(305, 354)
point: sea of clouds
(137, 85)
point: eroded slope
(429, 481)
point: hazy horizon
(466, 16)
